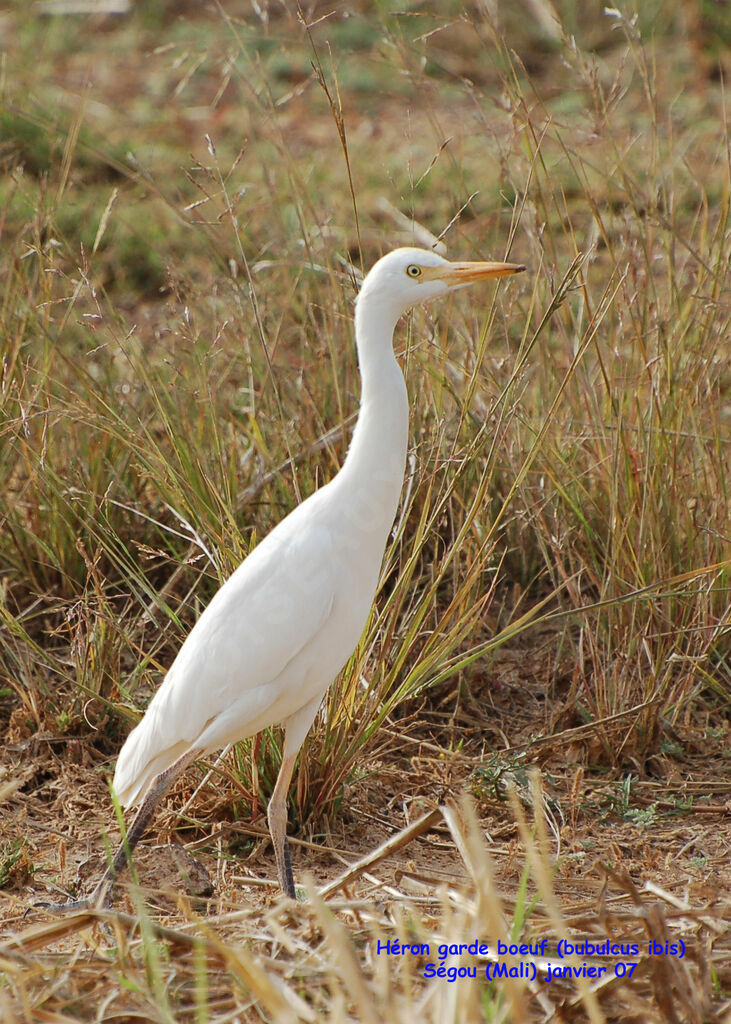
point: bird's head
(406, 277)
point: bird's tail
(139, 762)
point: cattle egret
(279, 630)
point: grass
(178, 267)
(336, 955)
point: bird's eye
(413, 270)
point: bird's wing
(275, 603)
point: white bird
(280, 629)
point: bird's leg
(155, 792)
(277, 815)
(157, 789)
(255, 776)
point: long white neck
(372, 475)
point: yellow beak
(457, 274)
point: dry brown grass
(321, 961)
(177, 372)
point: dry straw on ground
(187, 196)
(320, 960)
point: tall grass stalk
(567, 437)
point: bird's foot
(100, 899)
(71, 907)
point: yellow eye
(413, 270)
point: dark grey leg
(277, 815)
(158, 788)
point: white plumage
(277, 633)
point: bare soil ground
(639, 852)
(640, 862)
